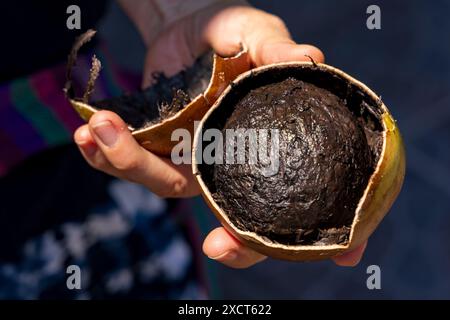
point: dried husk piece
(156, 136)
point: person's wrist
(152, 17)
(175, 10)
(209, 20)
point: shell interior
(164, 98)
(364, 110)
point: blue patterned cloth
(127, 243)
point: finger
(130, 161)
(272, 43)
(90, 151)
(286, 50)
(84, 140)
(352, 258)
(265, 36)
(221, 246)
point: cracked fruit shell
(340, 161)
(170, 103)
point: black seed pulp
(328, 149)
(164, 98)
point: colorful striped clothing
(57, 211)
(35, 115)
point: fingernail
(226, 256)
(106, 132)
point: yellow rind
(383, 187)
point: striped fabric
(34, 114)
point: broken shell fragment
(339, 158)
(170, 103)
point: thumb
(120, 155)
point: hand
(107, 144)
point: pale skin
(107, 144)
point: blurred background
(407, 62)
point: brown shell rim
(81, 106)
(388, 125)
